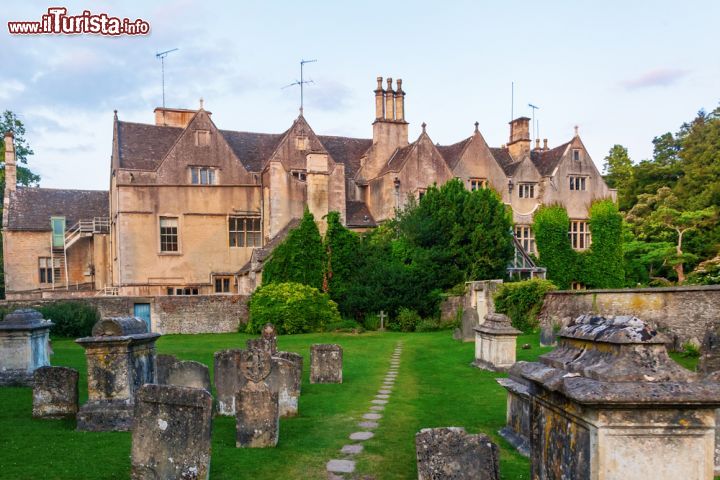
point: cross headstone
(382, 316)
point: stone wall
(169, 314)
(683, 313)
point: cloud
(662, 77)
(327, 96)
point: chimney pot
(389, 84)
(379, 80)
(545, 147)
(537, 144)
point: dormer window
(202, 176)
(478, 183)
(202, 138)
(526, 190)
(299, 175)
(576, 154)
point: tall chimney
(545, 147)
(379, 100)
(537, 144)
(389, 101)
(10, 163)
(519, 144)
(399, 102)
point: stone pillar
(495, 342)
(120, 359)
(171, 433)
(226, 381)
(257, 409)
(24, 346)
(326, 362)
(452, 453)
(610, 403)
(55, 392)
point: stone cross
(382, 316)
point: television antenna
(301, 82)
(161, 56)
(533, 117)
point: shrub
(690, 350)
(371, 322)
(71, 319)
(292, 307)
(427, 325)
(345, 325)
(405, 321)
(521, 301)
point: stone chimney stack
(10, 163)
(389, 101)
(379, 100)
(545, 147)
(519, 144)
(399, 102)
(390, 130)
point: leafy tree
(299, 258)
(604, 266)
(341, 248)
(619, 174)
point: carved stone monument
(171, 433)
(326, 362)
(24, 346)
(120, 359)
(610, 403)
(55, 392)
(495, 343)
(450, 453)
(257, 408)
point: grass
(435, 387)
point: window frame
(526, 237)
(51, 266)
(579, 234)
(236, 234)
(197, 172)
(522, 187)
(477, 183)
(202, 134)
(225, 282)
(578, 183)
(178, 246)
(577, 154)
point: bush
(292, 307)
(521, 301)
(405, 321)
(427, 325)
(345, 325)
(371, 322)
(71, 319)
(690, 350)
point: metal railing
(85, 228)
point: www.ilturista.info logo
(57, 21)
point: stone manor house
(194, 209)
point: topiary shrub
(71, 319)
(406, 321)
(292, 307)
(521, 301)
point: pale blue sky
(623, 71)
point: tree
(619, 174)
(551, 225)
(299, 258)
(341, 249)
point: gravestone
(495, 343)
(257, 408)
(120, 358)
(24, 346)
(163, 362)
(226, 376)
(55, 392)
(450, 453)
(610, 403)
(269, 336)
(171, 433)
(285, 381)
(326, 361)
(183, 373)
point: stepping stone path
(341, 468)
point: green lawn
(435, 387)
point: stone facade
(120, 359)
(24, 346)
(171, 435)
(450, 453)
(609, 403)
(55, 392)
(326, 363)
(191, 208)
(495, 343)
(682, 313)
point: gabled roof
(31, 207)
(546, 160)
(347, 151)
(142, 146)
(452, 153)
(358, 215)
(506, 162)
(397, 159)
(253, 149)
(259, 255)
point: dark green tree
(619, 174)
(551, 225)
(343, 260)
(300, 258)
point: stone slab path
(343, 466)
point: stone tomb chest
(610, 404)
(120, 359)
(495, 342)
(24, 346)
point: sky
(624, 72)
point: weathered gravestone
(269, 336)
(55, 392)
(326, 362)
(451, 454)
(120, 359)
(183, 373)
(284, 379)
(24, 346)
(610, 403)
(226, 379)
(257, 408)
(171, 433)
(495, 342)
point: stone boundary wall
(683, 313)
(169, 314)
